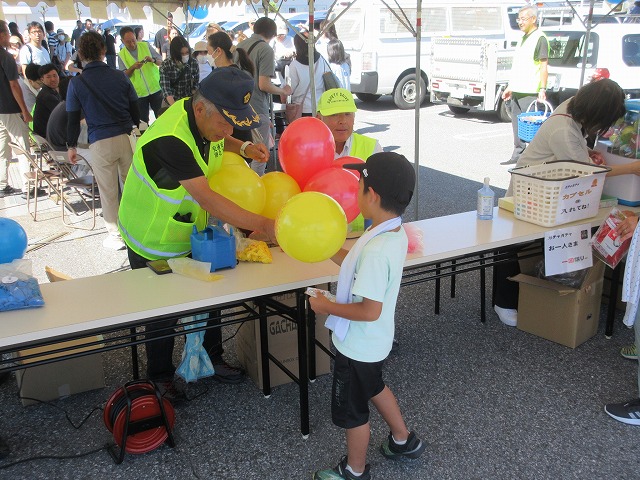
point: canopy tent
(67, 11)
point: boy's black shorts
(354, 384)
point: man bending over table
(166, 193)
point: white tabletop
(85, 304)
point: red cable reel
(139, 418)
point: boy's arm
(339, 257)
(365, 311)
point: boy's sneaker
(629, 351)
(341, 472)
(413, 448)
(628, 413)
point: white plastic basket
(556, 193)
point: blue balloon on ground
(13, 240)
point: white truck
(470, 74)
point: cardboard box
(560, 313)
(283, 344)
(59, 379)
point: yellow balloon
(311, 227)
(280, 187)
(241, 185)
(230, 158)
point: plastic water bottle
(485, 201)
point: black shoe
(173, 390)
(41, 192)
(8, 191)
(413, 447)
(225, 373)
(341, 472)
(509, 162)
(628, 412)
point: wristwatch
(244, 146)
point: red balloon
(339, 184)
(344, 160)
(306, 147)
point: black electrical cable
(53, 457)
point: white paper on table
(567, 249)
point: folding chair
(69, 181)
(35, 178)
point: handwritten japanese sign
(579, 198)
(567, 249)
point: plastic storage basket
(529, 122)
(558, 192)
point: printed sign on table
(567, 249)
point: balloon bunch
(306, 153)
(311, 202)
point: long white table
(104, 304)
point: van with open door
(383, 50)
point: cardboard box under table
(557, 312)
(283, 345)
(59, 379)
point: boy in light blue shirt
(362, 317)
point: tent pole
(585, 55)
(311, 42)
(417, 105)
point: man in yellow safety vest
(529, 73)
(140, 63)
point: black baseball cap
(230, 90)
(390, 174)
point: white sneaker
(113, 242)
(508, 316)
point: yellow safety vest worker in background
(525, 71)
(145, 80)
(361, 146)
(146, 218)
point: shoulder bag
(329, 78)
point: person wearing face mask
(220, 55)
(140, 63)
(200, 54)
(62, 52)
(179, 73)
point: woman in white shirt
(297, 74)
(340, 63)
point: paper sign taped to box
(567, 249)
(577, 200)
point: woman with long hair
(222, 53)
(179, 73)
(339, 62)
(298, 73)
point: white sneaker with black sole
(628, 412)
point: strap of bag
(181, 76)
(253, 46)
(106, 105)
